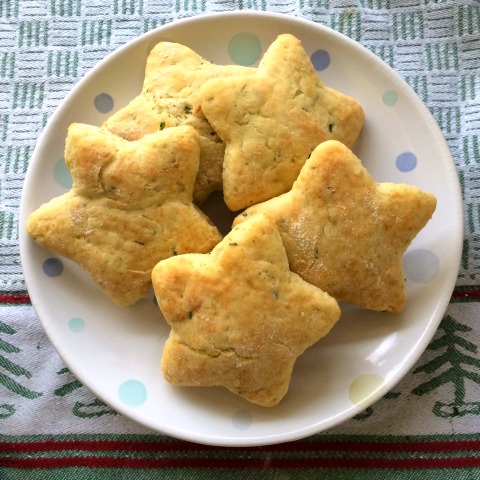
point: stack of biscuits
(312, 227)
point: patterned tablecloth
(51, 426)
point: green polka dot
(132, 393)
(76, 324)
(390, 98)
(61, 174)
(244, 49)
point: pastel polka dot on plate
(132, 393)
(390, 98)
(76, 324)
(406, 161)
(363, 387)
(61, 174)
(320, 60)
(242, 419)
(421, 265)
(52, 267)
(244, 48)
(103, 103)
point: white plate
(116, 352)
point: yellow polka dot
(363, 387)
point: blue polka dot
(390, 98)
(421, 265)
(132, 393)
(320, 60)
(61, 174)
(242, 419)
(406, 162)
(76, 324)
(244, 49)
(103, 103)
(52, 267)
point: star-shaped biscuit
(345, 233)
(130, 206)
(272, 120)
(169, 98)
(239, 316)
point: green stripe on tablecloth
(242, 474)
(324, 437)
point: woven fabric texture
(46, 47)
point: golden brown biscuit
(345, 233)
(169, 98)
(271, 122)
(239, 317)
(130, 206)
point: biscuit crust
(239, 316)
(271, 122)
(169, 98)
(130, 206)
(345, 233)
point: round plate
(116, 352)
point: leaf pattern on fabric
(12, 370)
(94, 409)
(457, 374)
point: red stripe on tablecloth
(235, 463)
(23, 298)
(14, 298)
(466, 293)
(179, 446)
